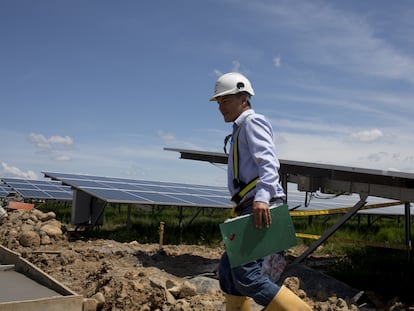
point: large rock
(53, 222)
(90, 304)
(47, 216)
(51, 230)
(205, 285)
(30, 239)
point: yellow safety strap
(236, 156)
(245, 188)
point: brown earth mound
(133, 276)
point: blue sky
(101, 87)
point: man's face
(231, 106)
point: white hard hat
(232, 83)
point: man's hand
(261, 215)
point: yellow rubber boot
(238, 303)
(286, 300)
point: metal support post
(408, 229)
(333, 229)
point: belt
(249, 202)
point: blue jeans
(247, 280)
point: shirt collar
(243, 116)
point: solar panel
(39, 189)
(325, 202)
(121, 190)
(4, 190)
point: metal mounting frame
(334, 179)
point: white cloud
(397, 161)
(13, 171)
(62, 158)
(236, 66)
(44, 143)
(218, 73)
(65, 140)
(366, 136)
(166, 136)
(277, 61)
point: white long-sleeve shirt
(256, 158)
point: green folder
(245, 243)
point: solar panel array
(121, 190)
(39, 189)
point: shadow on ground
(183, 265)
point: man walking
(253, 182)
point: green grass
(385, 231)
(179, 228)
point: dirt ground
(133, 276)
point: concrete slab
(15, 286)
(24, 287)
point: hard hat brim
(228, 92)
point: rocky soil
(144, 277)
